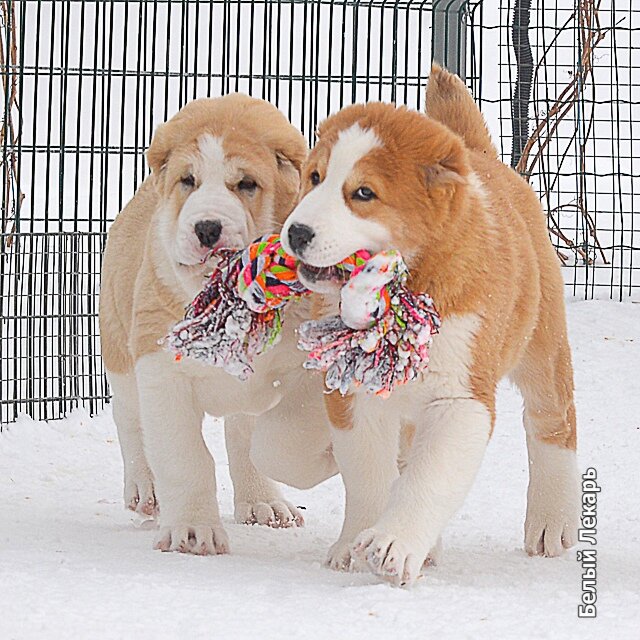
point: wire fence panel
(49, 344)
(583, 119)
(85, 83)
(103, 75)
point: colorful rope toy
(238, 315)
(380, 340)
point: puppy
(474, 237)
(224, 171)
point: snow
(73, 563)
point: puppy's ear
(449, 169)
(288, 181)
(291, 151)
(286, 163)
(158, 151)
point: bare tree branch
(13, 197)
(590, 35)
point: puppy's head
(379, 177)
(227, 170)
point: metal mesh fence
(50, 351)
(583, 121)
(84, 84)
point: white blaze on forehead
(211, 158)
(338, 232)
(353, 144)
(218, 174)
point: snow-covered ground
(73, 564)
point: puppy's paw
(553, 500)
(553, 514)
(549, 534)
(389, 556)
(139, 494)
(339, 556)
(200, 540)
(277, 513)
(435, 555)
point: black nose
(300, 235)
(208, 232)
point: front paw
(339, 556)
(553, 515)
(200, 540)
(389, 556)
(549, 533)
(139, 494)
(276, 513)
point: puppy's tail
(448, 101)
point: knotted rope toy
(238, 315)
(380, 340)
(382, 337)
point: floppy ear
(289, 168)
(290, 149)
(292, 154)
(288, 181)
(158, 151)
(451, 168)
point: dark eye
(247, 184)
(363, 193)
(315, 178)
(188, 181)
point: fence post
(449, 35)
(522, 88)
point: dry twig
(590, 34)
(12, 197)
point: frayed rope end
(389, 335)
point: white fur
(479, 191)
(385, 510)
(452, 429)
(338, 231)
(257, 498)
(292, 443)
(405, 513)
(171, 399)
(183, 468)
(553, 497)
(367, 456)
(139, 493)
(449, 445)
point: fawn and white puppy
(224, 171)
(474, 237)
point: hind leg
(545, 379)
(292, 442)
(257, 499)
(139, 494)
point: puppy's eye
(363, 193)
(247, 184)
(315, 178)
(188, 181)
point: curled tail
(448, 101)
